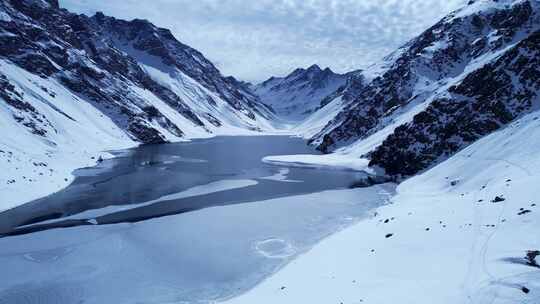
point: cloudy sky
(256, 39)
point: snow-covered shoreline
(39, 185)
(328, 161)
(42, 173)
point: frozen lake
(178, 223)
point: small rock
(498, 199)
(531, 257)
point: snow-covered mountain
(470, 74)
(73, 85)
(122, 67)
(299, 94)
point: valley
(129, 162)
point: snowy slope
(445, 238)
(316, 121)
(299, 94)
(34, 165)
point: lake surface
(139, 228)
(149, 172)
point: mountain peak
(314, 68)
(54, 3)
(302, 73)
(327, 69)
(99, 16)
(300, 93)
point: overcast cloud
(254, 40)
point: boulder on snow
(498, 199)
(531, 258)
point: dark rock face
(23, 112)
(146, 134)
(143, 36)
(483, 102)
(440, 52)
(97, 58)
(496, 92)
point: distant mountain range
(299, 94)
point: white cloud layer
(253, 40)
